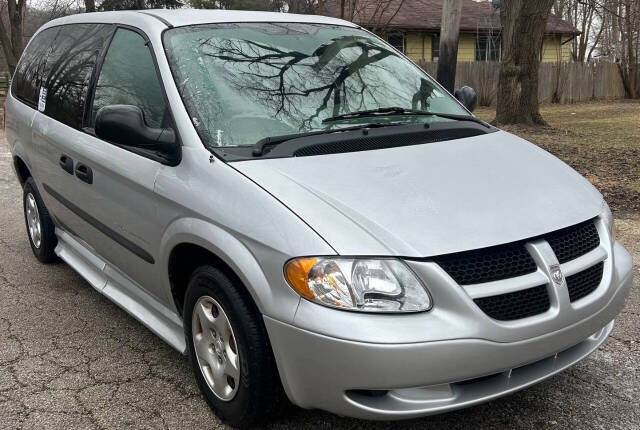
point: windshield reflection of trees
(332, 78)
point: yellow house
(423, 46)
(413, 27)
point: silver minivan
(306, 214)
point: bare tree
(449, 33)
(629, 19)
(377, 15)
(588, 17)
(11, 34)
(51, 9)
(620, 40)
(306, 6)
(523, 24)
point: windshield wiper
(393, 110)
(262, 144)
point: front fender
(258, 267)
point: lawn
(601, 140)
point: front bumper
(394, 379)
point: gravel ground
(69, 358)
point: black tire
(260, 395)
(48, 240)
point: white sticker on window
(42, 100)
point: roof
(427, 14)
(181, 17)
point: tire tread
(263, 390)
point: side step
(121, 290)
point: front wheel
(229, 350)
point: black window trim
(91, 95)
(91, 91)
(88, 102)
(221, 157)
(13, 94)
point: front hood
(431, 199)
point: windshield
(243, 82)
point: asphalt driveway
(69, 358)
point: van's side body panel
(18, 120)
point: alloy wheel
(215, 348)
(33, 220)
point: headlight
(367, 285)
(607, 217)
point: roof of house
(427, 14)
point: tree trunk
(5, 40)
(631, 58)
(523, 23)
(449, 32)
(11, 38)
(89, 5)
(603, 22)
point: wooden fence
(558, 82)
(4, 85)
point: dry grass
(600, 140)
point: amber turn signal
(297, 274)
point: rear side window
(70, 66)
(28, 76)
(128, 76)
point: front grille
(488, 264)
(516, 305)
(572, 242)
(584, 283)
(512, 260)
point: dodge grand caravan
(305, 213)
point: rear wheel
(40, 227)
(229, 350)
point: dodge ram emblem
(556, 274)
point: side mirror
(124, 125)
(467, 96)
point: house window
(397, 40)
(488, 47)
(435, 47)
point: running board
(121, 290)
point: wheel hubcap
(33, 220)
(215, 347)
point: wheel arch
(22, 170)
(184, 259)
(190, 243)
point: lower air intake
(516, 305)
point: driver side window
(128, 77)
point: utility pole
(449, 33)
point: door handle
(66, 163)
(84, 173)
